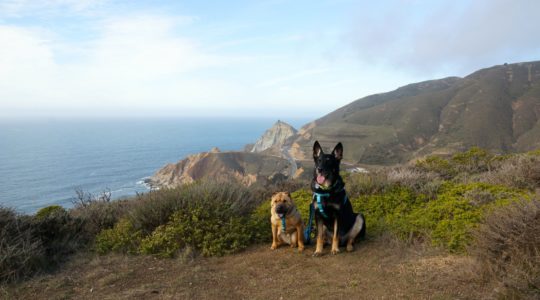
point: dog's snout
(281, 209)
(319, 170)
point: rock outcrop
(242, 167)
(275, 137)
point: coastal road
(294, 166)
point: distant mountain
(275, 137)
(497, 108)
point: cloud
(290, 77)
(430, 36)
(22, 8)
(136, 62)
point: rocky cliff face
(275, 137)
(245, 168)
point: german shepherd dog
(334, 215)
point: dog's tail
(362, 233)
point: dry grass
(507, 248)
(378, 269)
(519, 171)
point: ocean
(43, 162)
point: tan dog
(283, 208)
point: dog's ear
(289, 194)
(338, 151)
(317, 150)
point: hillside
(497, 108)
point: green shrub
(50, 210)
(438, 165)
(446, 221)
(199, 229)
(474, 160)
(382, 211)
(155, 208)
(121, 238)
(209, 217)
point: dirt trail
(376, 270)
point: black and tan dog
(334, 215)
(287, 225)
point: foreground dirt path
(376, 270)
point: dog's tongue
(320, 179)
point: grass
(379, 268)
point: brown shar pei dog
(287, 224)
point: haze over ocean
(43, 162)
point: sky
(266, 58)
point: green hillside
(497, 108)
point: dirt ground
(375, 270)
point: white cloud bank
(428, 36)
(133, 63)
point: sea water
(43, 162)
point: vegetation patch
(507, 248)
(209, 217)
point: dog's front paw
(300, 249)
(293, 245)
(335, 251)
(350, 248)
(274, 246)
(317, 253)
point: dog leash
(307, 232)
(319, 196)
(283, 224)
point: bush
(445, 221)
(155, 208)
(474, 160)
(122, 238)
(98, 212)
(507, 248)
(210, 217)
(199, 229)
(519, 171)
(50, 211)
(438, 165)
(59, 233)
(21, 254)
(426, 183)
(358, 184)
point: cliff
(274, 138)
(246, 168)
